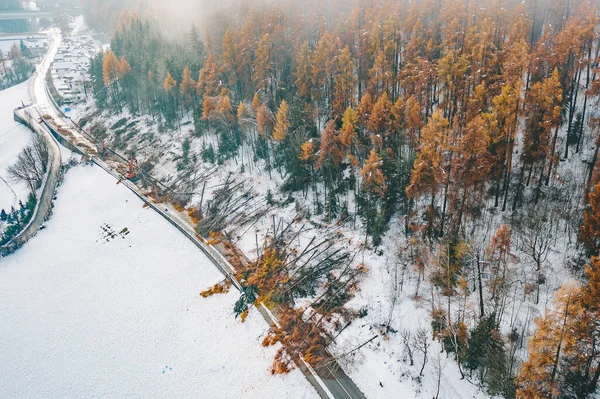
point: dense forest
(470, 126)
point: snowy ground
(13, 138)
(104, 302)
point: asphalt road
(31, 115)
(24, 15)
(45, 201)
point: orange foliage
(219, 288)
(307, 150)
(214, 238)
(373, 179)
(282, 124)
(169, 83)
(195, 214)
(269, 274)
(299, 339)
(589, 234)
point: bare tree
(422, 345)
(536, 236)
(407, 340)
(536, 232)
(31, 164)
(438, 368)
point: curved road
(32, 114)
(54, 160)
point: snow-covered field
(13, 138)
(104, 303)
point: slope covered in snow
(13, 138)
(104, 302)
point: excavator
(133, 167)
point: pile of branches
(232, 204)
(294, 265)
(184, 186)
(286, 271)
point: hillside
(406, 180)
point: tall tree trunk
(588, 186)
(519, 188)
(572, 106)
(559, 348)
(481, 307)
(552, 155)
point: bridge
(5, 16)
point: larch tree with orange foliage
(552, 342)
(282, 123)
(374, 185)
(543, 104)
(428, 175)
(330, 156)
(589, 233)
(263, 76)
(503, 128)
(344, 82)
(228, 56)
(323, 70)
(470, 169)
(110, 68)
(564, 352)
(264, 125)
(302, 74)
(208, 79)
(187, 88)
(380, 124)
(169, 83)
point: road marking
(338, 381)
(319, 380)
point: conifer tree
(380, 124)
(345, 82)
(560, 345)
(428, 175)
(187, 88)
(208, 79)
(374, 185)
(169, 83)
(589, 233)
(263, 68)
(303, 78)
(282, 123)
(228, 58)
(110, 67)
(374, 182)
(255, 103)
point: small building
(62, 68)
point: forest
(469, 128)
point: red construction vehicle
(133, 166)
